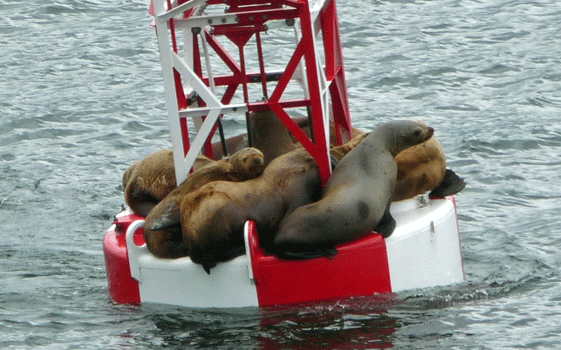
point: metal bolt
(290, 22)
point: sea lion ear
(169, 217)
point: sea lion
(167, 242)
(357, 195)
(212, 217)
(149, 180)
(269, 135)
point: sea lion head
(248, 161)
(402, 134)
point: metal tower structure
(196, 38)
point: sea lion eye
(417, 132)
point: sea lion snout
(430, 132)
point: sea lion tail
(450, 185)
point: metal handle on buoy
(134, 251)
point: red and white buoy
(424, 250)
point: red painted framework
(252, 18)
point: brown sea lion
(149, 180)
(212, 217)
(269, 135)
(357, 195)
(167, 242)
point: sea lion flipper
(387, 225)
(450, 185)
(305, 255)
(169, 217)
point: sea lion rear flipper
(450, 185)
(387, 225)
(169, 217)
(304, 255)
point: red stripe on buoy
(123, 289)
(359, 269)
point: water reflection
(353, 323)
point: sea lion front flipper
(169, 217)
(208, 266)
(450, 185)
(387, 225)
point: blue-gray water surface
(81, 98)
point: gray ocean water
(81, 98)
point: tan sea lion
(357, 196)
(419, 169)
(167, 242)
(149, 180)
(212, 217)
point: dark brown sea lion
(149, 180)
(358, 194)
(212, 217)
(167, 242)
(269, 135)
